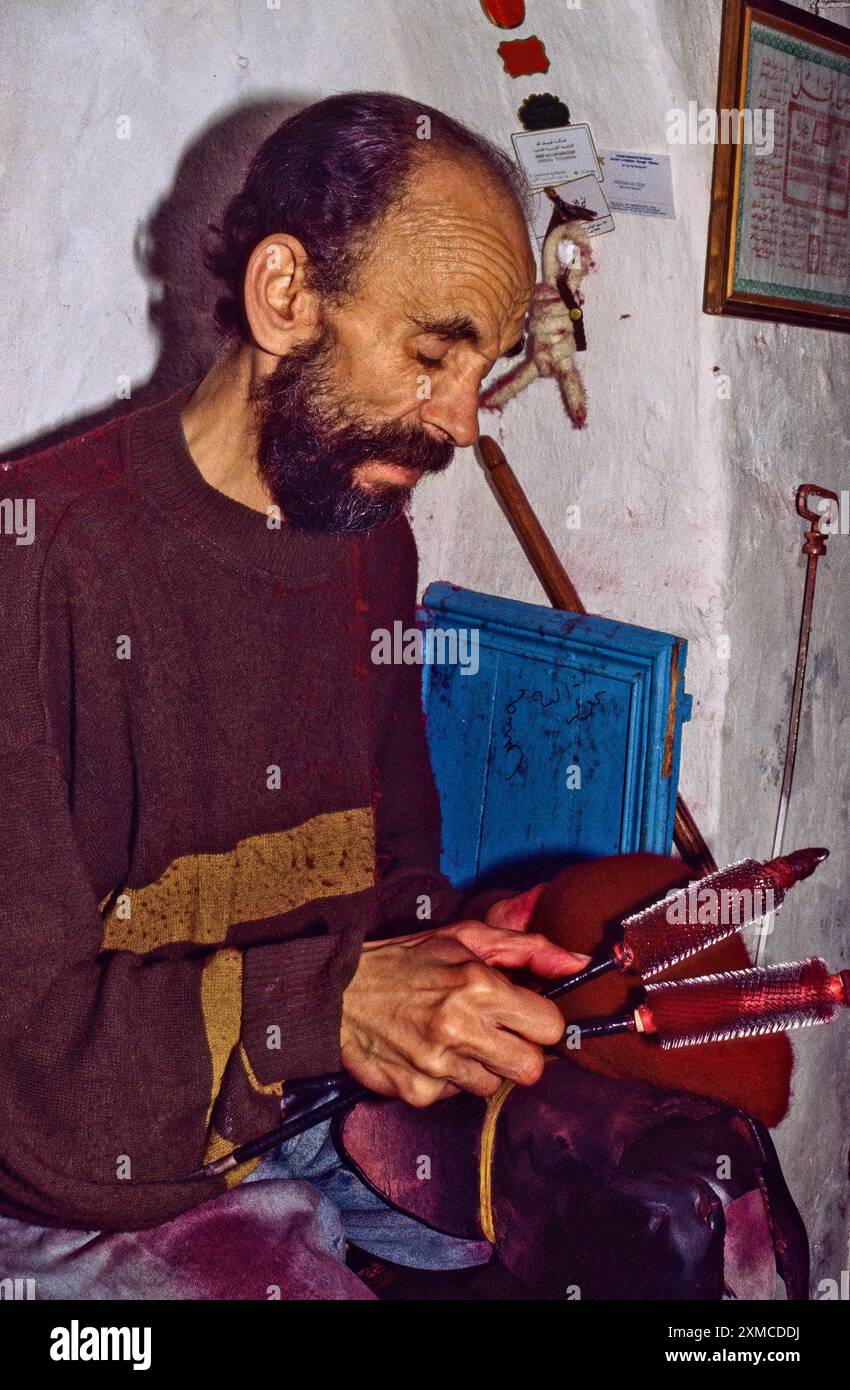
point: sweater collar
(162, 466)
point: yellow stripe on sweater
(221, 1005)
(198, 897)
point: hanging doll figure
(555, 324)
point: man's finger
(510, 950)
(510, 1057)
(496, 1010)
(471, 1076)
(527, 1014)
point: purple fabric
(262, 1240)
(282, 1233)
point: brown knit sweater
(209, 796)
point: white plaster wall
(686, 499)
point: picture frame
(779, 228)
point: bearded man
(219, 819)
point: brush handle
(590, 972)
(598, 1027)
(287, 1129)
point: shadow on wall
(169, 254)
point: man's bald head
(329, 176)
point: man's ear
(281, 311)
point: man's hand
(429, 1014)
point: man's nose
(457, 415)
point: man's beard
(310, 443)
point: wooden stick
(561, 593)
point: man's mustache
(410, 448)
(421, 459)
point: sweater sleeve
(105, 1059)
(94, 1049)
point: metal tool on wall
(561, 594)
(813, 547)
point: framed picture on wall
(779, 232)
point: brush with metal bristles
(694, 918)
(730, 1004)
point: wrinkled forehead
(458, 247)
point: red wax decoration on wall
(523, 56)
(508, 14)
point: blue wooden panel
(556, 745)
